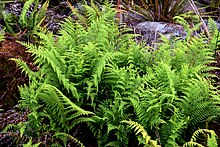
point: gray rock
(151, 31)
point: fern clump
(32, 16)
(208, 134)
(98, 75)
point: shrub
(98, 75)
(156, 10)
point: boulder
(151, 31)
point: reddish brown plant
(10, 75)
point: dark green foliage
(211, 7)
(28, 21)
(156, 10)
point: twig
(118, 9)
(197, 13)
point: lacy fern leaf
(138, 129)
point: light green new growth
(98, 75)
(2, 37)
(138, 129)
(210, 135)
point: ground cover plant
(155, 10)
(23, 24)
(98, 77)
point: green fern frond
(23, 17)
(213, 28)
(24, 67)
(40, 15)
(138, 129)
(30, 144)
(199, 94)
(211, 138)
(92, 13)
(47, 57)
(2, 37)
(116, 77)
(54, 106)
(72, 34)
(61, 108)
(185, 24)
(10, 128)
(67, 136)
(172, 130)
(192, 144)
(100, 67)
(201, 131)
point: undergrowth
(99, 76)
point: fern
(109, 125)
(73, 139)
(204, 103)
(186, 26)
(40, 15)
(172, 130)
(211, 138)
(214, 32)
(193, 144)
(98, 75)
(55, 63)
(30, 144)
(213, 29)
(23, 18)
(60, 108)
(36, 17)
(32, 75)
(1, 36)
(138, 129)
